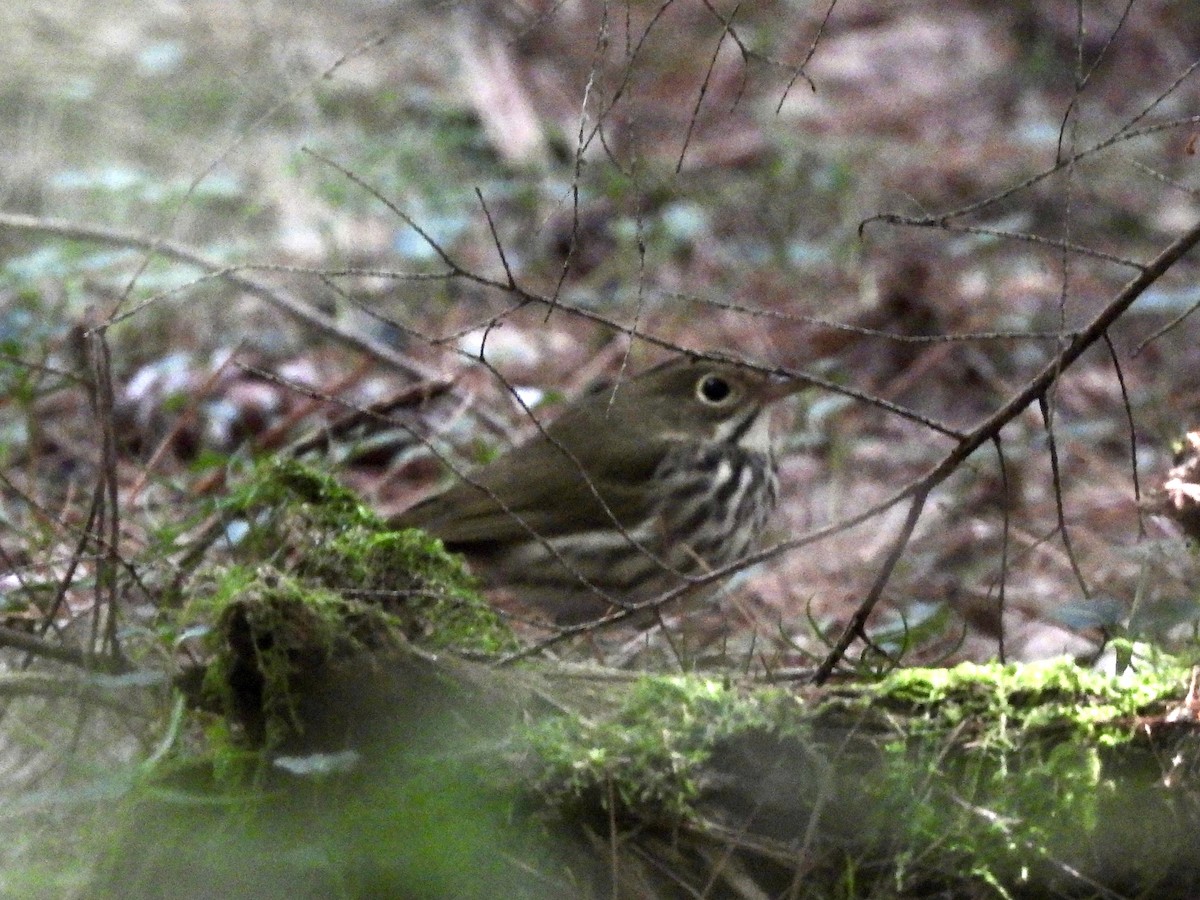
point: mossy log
(352, 750)
(381, 769)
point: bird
(632, 491)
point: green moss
(1000, 728)
(1008, 769)
(948, 809)
(284, 483)
(412, 576)
(317, 581)
(1001, 699)
(649, 753)
(980, 775)
(273, 631)
(305, 525)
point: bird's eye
(714, 390)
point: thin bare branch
(1133, 443)
(1005, 507)
(1056, 481)
(512, 282)
(712, 64)
(1123, 134)
(41, 648)
(278, 297)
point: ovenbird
(624, 495)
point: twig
(1125, 133)
(40, 647)
(712, 64)
(1133, 445)
(278, 297)
(1005, 506)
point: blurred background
(694, 172)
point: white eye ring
(714, 390)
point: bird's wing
(536, 487)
